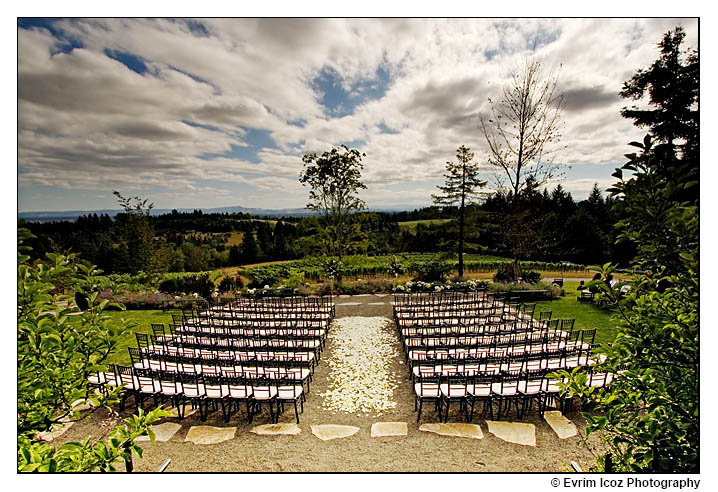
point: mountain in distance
(45, 216)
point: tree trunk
(461, 239)
(461, 221)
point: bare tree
(461, 186)
(524, 128)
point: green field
(411, 224)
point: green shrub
(200, 285)
(230, 284)
(267, 275)
(530, 276)
(433, 270)
(174, 285)
(506, 273)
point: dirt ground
(417, 452)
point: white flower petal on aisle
(360, 380)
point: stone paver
(471, 431)
(276, 429)
(348, 303)
(514, 432)
(56, 431)
(563, 427)
(381, 295)
(204, 434)
(326, 432)
(188, 411)
(383, 429)
(163, 432)
(376, 303)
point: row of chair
(202, 390)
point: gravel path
(416, 452)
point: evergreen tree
(461, 186)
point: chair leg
(418, 417)
(296, 413)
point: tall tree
(461, 186)
(651, 414)
(135, 235)
(334, 179)
(524, 129)
(522, 133)
(672, 85)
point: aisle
(360, 378)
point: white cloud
(87, 122)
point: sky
(204, 113)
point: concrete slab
(163, 432)
(563, 427)
(471, 431)
(326, 432)
(376, 303)
(383, 429)
(204, 434)
(276, 429)
(514, 432)
(381, 295)
(348, 303)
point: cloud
(162, 105)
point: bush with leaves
(58, 347)
(650, 413)
(433, 270)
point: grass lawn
(143, 319)
(587, 316)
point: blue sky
(218, 112)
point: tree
(524, 128)
(249, 249)
(137, 250)
(461, 184)
(672, 85)
(334, 179)
(56, 353)
(522, 133)
(651, 411)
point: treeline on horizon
(556, 228)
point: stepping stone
(204, 434)
(326, 432)
(363, 295)
(276, 429)
(383, 429)
(376, 303)
(56, 431)
(514, 432)
(344, 296)
(188, 411)
(563, 427)
(381, 295)
(348, 303)
(163, 432)
(471, 431)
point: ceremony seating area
(475, 348)
(238, 353)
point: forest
(558, 228)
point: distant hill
(44, 216)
